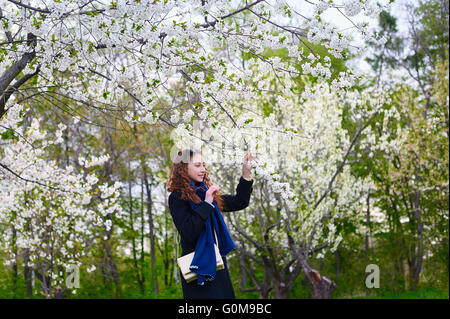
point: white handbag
(184, 262)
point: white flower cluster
(317, 70)
(136, 48)
(352, 7)
(93, 161)
(48, 206)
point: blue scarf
(204, 261)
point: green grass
(425, 293)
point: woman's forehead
(198, 158)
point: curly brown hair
(179, 179)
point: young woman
(196, 206)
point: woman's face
(196, 168)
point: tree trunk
(152, 235)
(281, 290)
(416, 265)
(27, 274)
(177, 255)
(322, 286)
(142, 234)
(165, 252)
(112, 266)
(14, 266)
(399, 276)
(337, 259)
(243, 272)
(133, 240)
(368, 255)
(264, 292)
(283, 287)
(45, 280)
(264, 287)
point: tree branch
(20, 4)
(7, 94)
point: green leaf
(90, 47)
(8, 134)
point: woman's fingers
(214, 188)
(249, 157)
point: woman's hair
(179, 179)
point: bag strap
(176, 256)
(215, 235)
(177, 242)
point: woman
(196, 205)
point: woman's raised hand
(247, 166)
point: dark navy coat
(190, 223)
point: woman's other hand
(211, 192)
